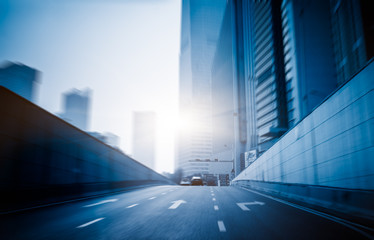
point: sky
(125, 51)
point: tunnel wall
(332, 148)
(46, 159)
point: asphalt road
(173, 212)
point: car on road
(185, 182)
(197, 181)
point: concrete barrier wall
(333, 146)
(354, 205)
(43, 155)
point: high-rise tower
(20, 79)
(76, 108)
(201, 22)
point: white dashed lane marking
(132, 205)
(221, 226)
(89, 223)
(216, 207)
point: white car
(185, 182)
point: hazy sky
(126, 51)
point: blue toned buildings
(20, 79)
(200, 25)
(248, 76)
(76, 108)
(233, 105)
(275, 61)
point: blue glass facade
(222, 88)
(276, 61)
(201, 22)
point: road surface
(173, 212)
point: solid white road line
(102, 202)
(216, 207)
(344, 222)
(89, 223)
(132, 205)
(213, 199)
(221, 226)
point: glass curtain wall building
(249, 71)
(223, 92)
(274, 62)
(231, 72)
(283, 58)
(201, 22)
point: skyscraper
(223, 89)
(144, 138)
(201, 21)
(229, 88)
(20, 79)
(76, 108)
(249, 61)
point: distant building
(144, 138)
(20, 79)
(77, 107)
(112, 139)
